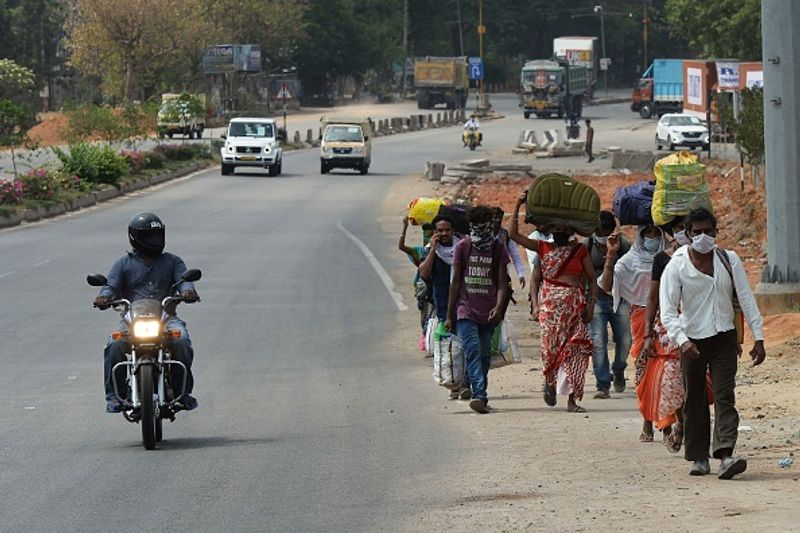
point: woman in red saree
(564, 311)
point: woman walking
(563, 310)
(629, 279)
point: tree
(122, 40)
(723, 28)
(15, 121)
(749, 127)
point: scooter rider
(147, 272)
(472, 127)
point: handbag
(738, 315)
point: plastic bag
(424, 210)
(501, 354)
(680, 187)
(430, 330)
(448, 362)
(510, 335)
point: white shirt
(705, 302)
(472, 124)
(533, 256)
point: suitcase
(632, 204)
(559, 199)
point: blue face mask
(651, 244)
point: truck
(579, 50)
(441, 80)
(552, 87)
(182, 114)
(345, 142)
(660, 89)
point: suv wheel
(659, 144)
(670, 143)
(227, 170)
(323, 167)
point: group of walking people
(675, 302)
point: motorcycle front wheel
(148, 409)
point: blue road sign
(475, 66)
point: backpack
(632, 205)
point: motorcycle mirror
(96, 280)
(193, 274)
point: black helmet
(146, 233)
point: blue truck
(660, 89)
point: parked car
(252, 142)
(680, 129)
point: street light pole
(645, 22)
(405, 51)
(481, 31)
(599, 10)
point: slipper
(550, 395)
(674, 441)
(646, 437)
(576, 409)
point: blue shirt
(133, 278)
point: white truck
(181, 114)
(580, 50)
(252, 142)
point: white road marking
(382, 274)
(8, 274)
(40, 263)
(30, 407)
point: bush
(92, 163)
(11, 192)
(153, 160)
(136, 160)
(183, 152)
(38, 184)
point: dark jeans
(620, 323)
(180, 349)
(719, 354)
(589, 151)
(476, 340)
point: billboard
(225, 58)
(727, 75)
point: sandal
(646, 437)
(550, 395)
(674, 441)
(575, 408)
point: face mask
(703, 244)
(681, 238)
(651, 244)
(561, 238)
(600, 240)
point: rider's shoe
(113, 405)
(188, 402)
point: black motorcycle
(153, 396)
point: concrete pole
(779, 289)
(405, 51)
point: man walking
(589, 139)
(605, 315)
(703, 282)
(477, 298)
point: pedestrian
(589, 139)
(659, 382)
(542, 233)
(501, 234)
(564, 309)
(702, 281)
(606, 315)
(436, 270)
(477, 299)
(422, 290)
(629, 280)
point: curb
(96, 197)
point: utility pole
(645, 22)
(405, 51)
(600, 11)
(460, 28)
(779, 289)
(482, 102)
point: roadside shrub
(64, 181)
(11, 191)
(153, 160)
(38, 184)
(183, 152)
(136, 160)
(93, 163)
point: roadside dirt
(536, 468)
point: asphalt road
(310, 418)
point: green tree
(15, 121)
(749, 127)
(722, 28)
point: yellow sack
(680, 187)
(424, 210)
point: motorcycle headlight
(146, 329)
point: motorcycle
(471, 138)
(153, 397)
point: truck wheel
(646, 110)
(199, 133)
(463, 101)
(526, 114)
(560, 113)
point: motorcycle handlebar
(166, 301)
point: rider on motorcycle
(147, 272)
(472, 127)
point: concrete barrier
(550, 139)
(637, 161)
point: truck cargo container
(550, 87)
(441, 80)
(580, 50)
(699, 78)
(660, 89)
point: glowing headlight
(357, 150)
(146, 329)
(327, 150)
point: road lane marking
(382, 274)
(8, 274)
(40, 263)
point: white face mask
(681, 238)
(600, 240)
(651, 244)
(703, 244)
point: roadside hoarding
(698, 78)
(751, 75)
(727, 75)
(227, 58)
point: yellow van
(345, 142)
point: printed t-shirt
(478, 295)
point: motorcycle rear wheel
(148, 411)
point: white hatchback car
(679, 129)
(252, 142)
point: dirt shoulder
(536, 468)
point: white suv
(680, 129)
(252, 142)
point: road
(309, 420)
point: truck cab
(252, 142)
(551, 87)
(345, 142)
